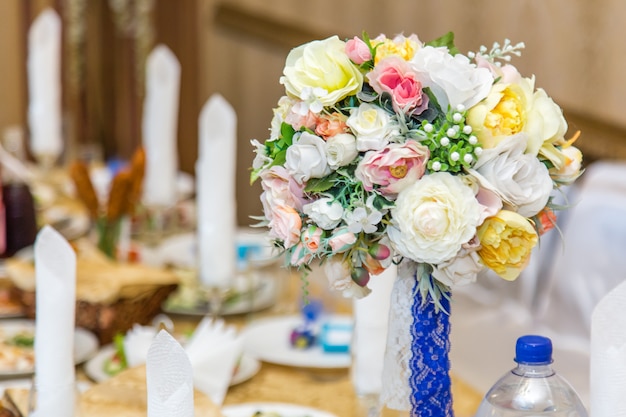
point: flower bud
(360, 276)
(379, 252)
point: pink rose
(311, 238)
(394, 76)
(298, 121)
(358, 51)
(299, 255)
(341, 240)
(281, 188)
(329, 125)
(285, 225)
(393, 168)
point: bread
(110, 296)
(125, 395)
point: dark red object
(21, 221)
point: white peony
(520, 179)
(340, 150)
(325, 212)
(454, 80)
(372, 127)
(433, 218)
(306, 158)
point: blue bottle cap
(533, 350)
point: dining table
(321, 388)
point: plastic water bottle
(532, 388)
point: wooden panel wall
(237, 48)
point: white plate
(268, 340)
(284, 410)
(85, 343)
(94, 368)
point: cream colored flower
(338, 273)
(321, 68)
(433, 218)
(507, 240)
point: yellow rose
(507, 240)
(400, 45)
(512, 108)
(322, 69)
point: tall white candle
(215, 179)
(160, 127)
(44, 86)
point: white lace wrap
(396, 391)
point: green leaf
(446, 40)
(319, 185)
(286, 132)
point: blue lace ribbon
(430, 382)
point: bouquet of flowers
(391, 149)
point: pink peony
(393, 168)
(280, 188)
(394, 76)
(285, 225)
(358, 51)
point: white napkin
(214, 350)
(215, 176)
(169, 380)
(137, 342)
(608, 355)
(160, 127)
(55, 274)
(371, 315)
(44, 85)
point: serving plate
(281, 409)
(15, 362)
(94, 367)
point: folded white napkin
(169, 379)
(214, 350)
(608, 355)
(55, 274)
(137, 342)
(44, 85)
(215, 194)
(160, 127)
(371, 315)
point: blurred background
(575, 48)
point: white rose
(325, 212)
(340, 150)
(520, 179)
(452, 79)
(462, 269)
(433, 218)
(339, 279)
(372, 127)
(306, 158)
